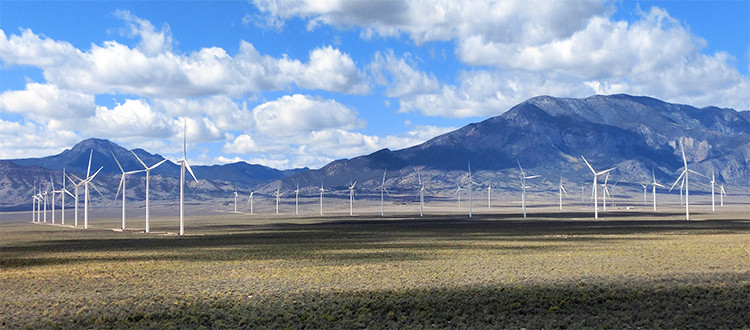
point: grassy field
(493, 271)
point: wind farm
(402, 235)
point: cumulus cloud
(45, 101)
(153, 70)
(295, 114)
(400, 76)
(578, 41)
(23, 140)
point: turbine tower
(147, 169)
(86, 194)
(713, 199)
(382, 190)
(52, 185)
(596, 174)
(645, 186)
(458, 193)
(654, 184)
(62, 198)
(75, 189)
(351, 198)
(250, 201)
(525, 177)
(277, 200)
(489, 196)
(605, 193)
(322, 190)
(421, 194)
(122, 185)
(684, 177)
(33, 204)
(722, 193)
(562, 190)
(296, 200)
(183, 165)
(471, 182)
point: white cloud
(153, 70)
(24, 140)
(401, 77)
(45, 101)
(296, 114)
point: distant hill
(548, 135)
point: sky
(300, 83)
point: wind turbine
(147, 169)
(722, 193)
(605, 193)
(75, 189)
(458, 193)
(321, 197)
(351, 198)
(382, 190)
(44, 200)
(654, 184)
(596, 174)
(277, 200)
(86, 183)
(471, 182)
(421, 194)
(250, 201)
(184, 164)
(235, 201)
(684, 178)
(645, 186)
(713, 199)
(489, 195)
(122, 185)
(296, 200)
(52, 184)
(62, 197)
(525, 177)
(562, 190)
(33, 205)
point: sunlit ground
(631, 268)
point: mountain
(548, 135)
(18, 176)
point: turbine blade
(532, 177)
(95, 173)
(138, 158)
(190, 170)
(589, 165)
(684, 159)
(118, 188)
(605, 171)
(116, 161)
(97, 190)
(563, 190)
(157, 164)
(678, 180)
(88, 170)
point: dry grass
(444, 272)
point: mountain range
(546, 135)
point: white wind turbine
(122, 186)
(250, 201)
(39, 199)
(421, 194)
(713, 199)
(322, 190)
(596, 174)
(471, 182)
(62, 198)
(33, 204)
(722, 193)
(44, 200)
(562, 190)
(654, 184)
(489, 195)
(235, 200)
(351, 198)
(75, 189)
(684, 177)
(645, 186)
(458, 193)
(183, 165)
(605, 193)
(147, 169)
(296, 199)
(525, 177)
(86, 194)
(52, 184)
(278, 195)
(382, 190)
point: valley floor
(629, 269)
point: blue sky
(293, 83)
